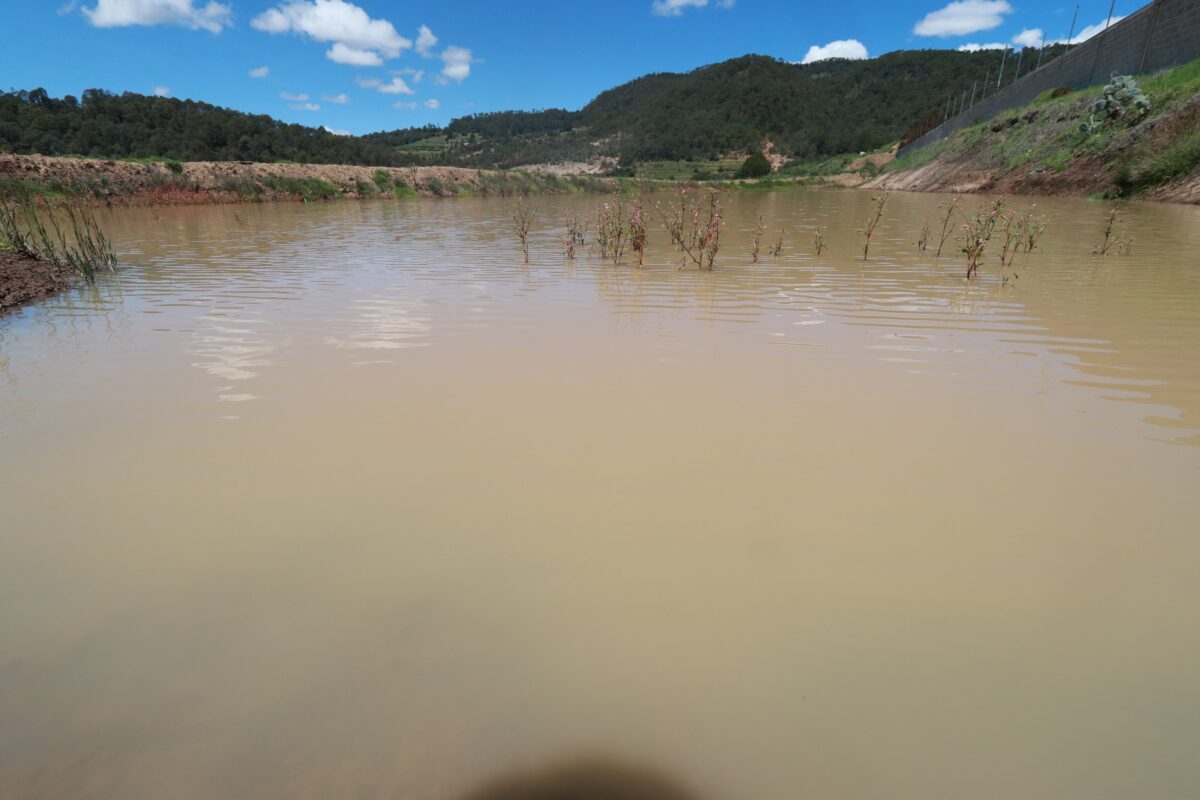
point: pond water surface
(343, 500)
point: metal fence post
(1149, 35)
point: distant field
(430, 147)
(685, 170)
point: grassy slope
(1041, 149)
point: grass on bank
(1046, 135)
(60, 231)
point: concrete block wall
(1163, 34)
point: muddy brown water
(341, 500)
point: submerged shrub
(1113, 240)
(523, 218)
(977, 231)
(694, 221)
(868, 230)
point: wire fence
(1162, 34)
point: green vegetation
(306, 188)
(683, 170)
(62, 232)
(918, 158)
(755, 166)
(1148, 127)
(104, 125)
(1178, 158)
(807, 111)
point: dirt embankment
(1041, 150)
(24, 280)
(175, 183)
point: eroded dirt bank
(24, 280)
(176, 183)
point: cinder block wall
(1163, 34)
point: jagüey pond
(343, 500)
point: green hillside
(805, 111)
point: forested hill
(736, 106)
(809, 110)
(107, 125)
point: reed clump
(61, 231)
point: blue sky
(365, 65)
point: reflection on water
(583, 780)
(326, 500)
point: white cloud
(415, 74)
(68, 7)
(336, 99)
(1033, 37)
(295, 98)
(426, 41)
(368, 83)
(675, 8)
(162, 91)
(397, 86)
(260, 72)
(974, 47)
(306, 107)
(342, 53)
(963, 17)
(456, 63)
(120, 13)
(842, 48)
(432, 103)
(357, 38)
(327, 129)
(1091, 30)
(1030, 37)
(404, 104)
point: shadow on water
(584, 779)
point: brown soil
(853, 177)
(128, 183)
(24, 279)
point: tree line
(803, 110)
